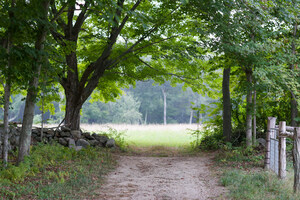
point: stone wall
(62, 135)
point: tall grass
(258, 185)
(172, 135)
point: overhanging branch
(119, 59)
(181, 77)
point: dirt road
(162, 178)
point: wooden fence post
(271, 124)
(296, 155)
(282, 151)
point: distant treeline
(140, 104)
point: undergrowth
(257, 185)
(118, 136)
(240, 157)
(55, 172)
(245, 178)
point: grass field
(172, 135)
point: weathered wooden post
(282, 150)
(296, 155)
(271, 125)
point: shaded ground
(162, 178)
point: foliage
(54, 171)
(118, 136)
(244, 177)
(123, 110)
(240, 157)
(179, 100)
(210, 136)
(256, 185)
(211, 139)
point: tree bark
(165, 105)
(7, 91)
(227, 127)
(249, 109)
(254, 118)
(72, 116)
(25, 137)
(294, 110)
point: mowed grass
(171, 135)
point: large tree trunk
(25, 138)
(165, 105)
(5, 121)
(72, 116)
(249, 109)
(294, 110)
(227, 127)
(7, 89)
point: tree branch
(118, 60)
(69, 27)
(60, 22)
(181, 77)
(57, 14)
(105, 54)
(81, 18)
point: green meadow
(172, 135)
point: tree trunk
(249, 109)
(294, 110)
(227, 127)
(73, 93)
(7, 91)
(191, 116)
(72, 116)
(254, 118)
(165, 105)
(25, 137)
(42, 123)
(146, 117)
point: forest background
(239, 56)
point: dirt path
(162, 178)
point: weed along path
(162, 178)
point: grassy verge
(55, 172)
(245, 178)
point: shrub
(118, 137)
(212, 139)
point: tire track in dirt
(162, 178)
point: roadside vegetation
(55, 172)
(243, 174)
